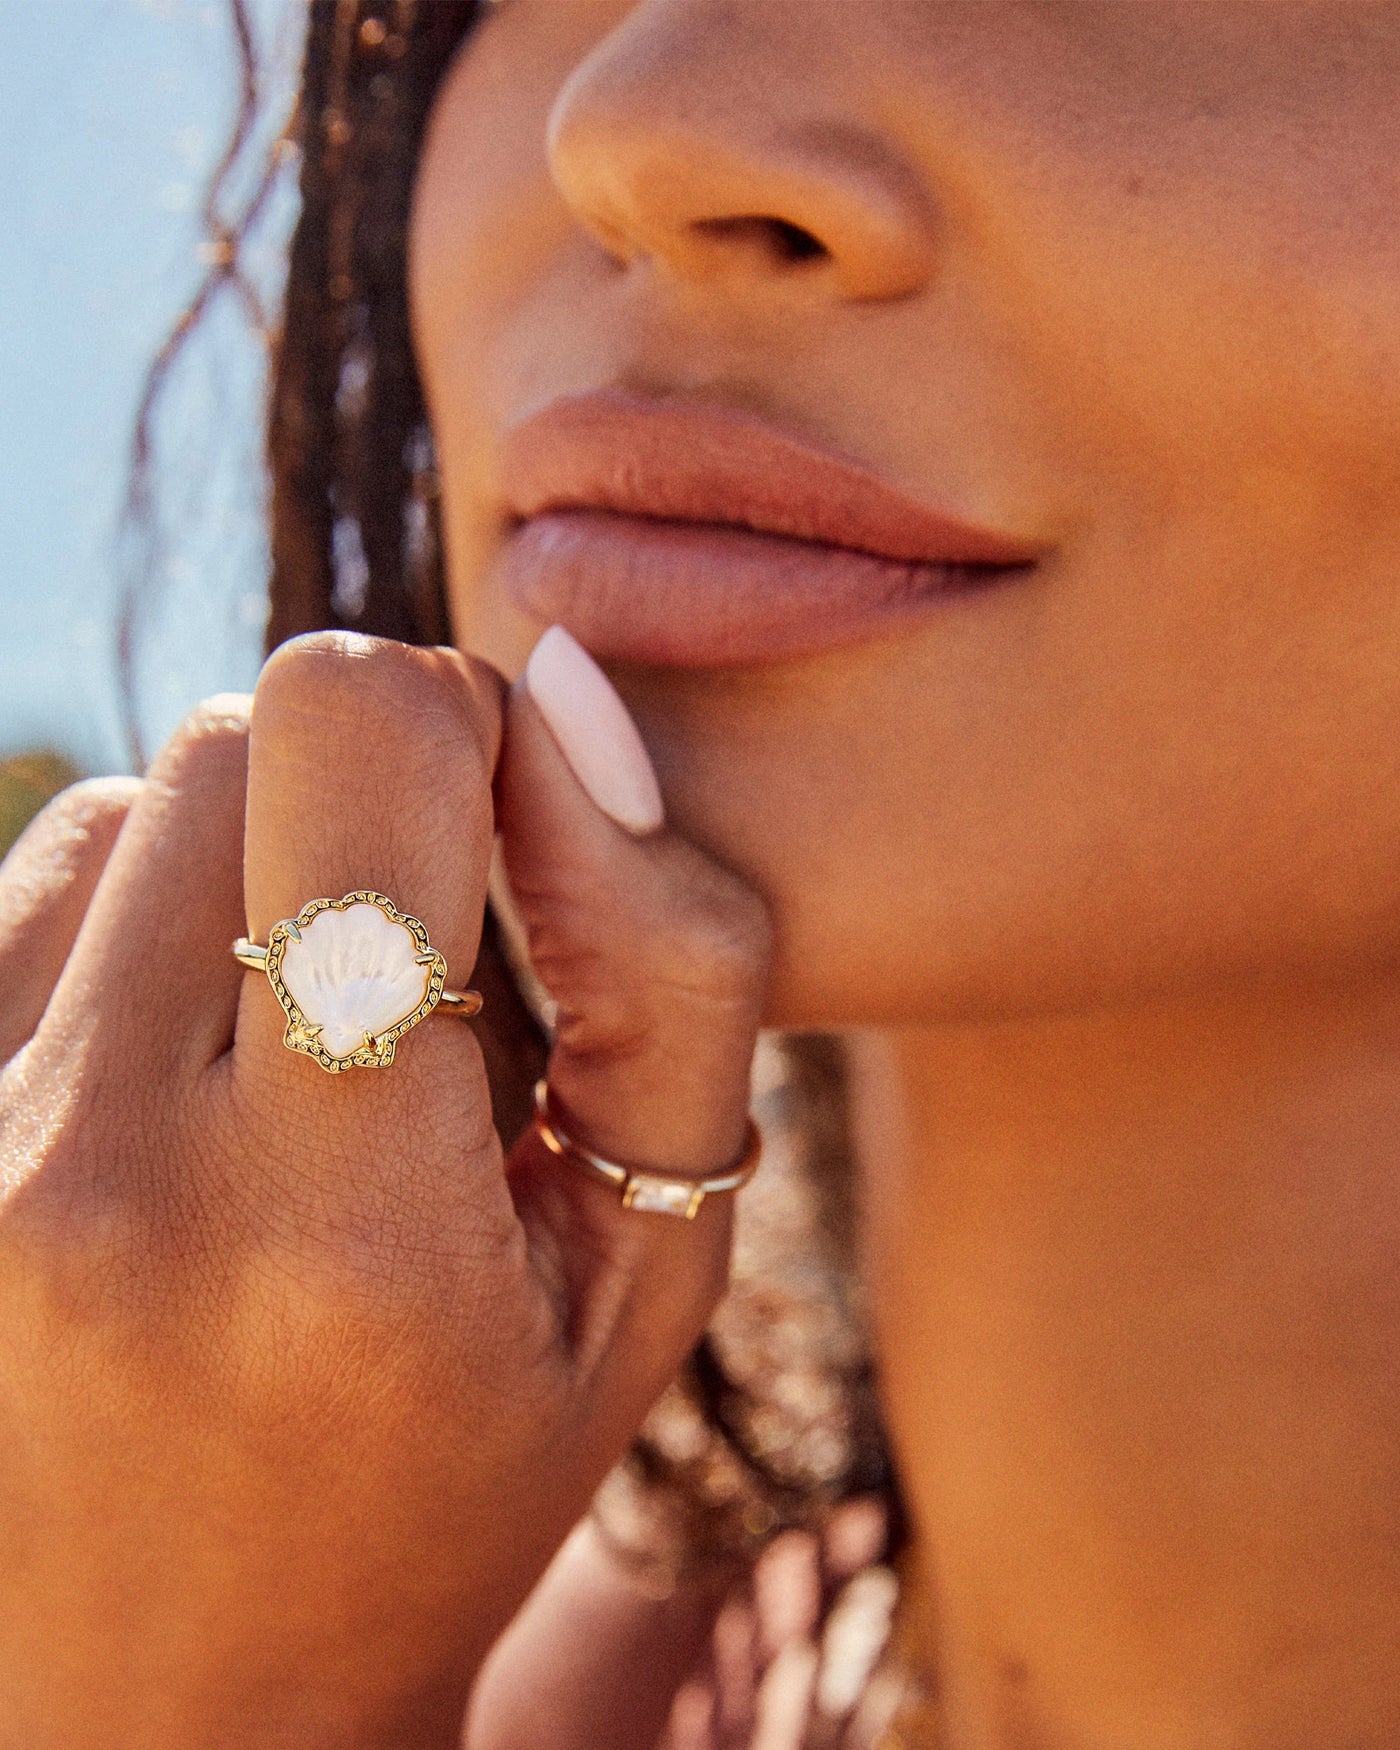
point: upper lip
(691, 462)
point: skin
(302, 1383)
(1099, 872)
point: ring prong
(425, 959)
(293, 929)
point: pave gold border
(302, 1035)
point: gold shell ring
(353, 975)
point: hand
(301, 1383)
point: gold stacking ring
(641, 1189)
(353, 976)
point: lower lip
(633, 589)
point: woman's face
(1117, 280)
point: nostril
(795, 244)
(778, 239)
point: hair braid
(355, 538)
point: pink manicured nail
(595, 731)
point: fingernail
(595, 731)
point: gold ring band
(353, 975)
(644, 1190)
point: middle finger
(369, 768)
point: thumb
(657, 958)
(656, 955)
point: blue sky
(114, 112)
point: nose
(685, 142)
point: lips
(688, 534)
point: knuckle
(86, 815)
(696, 954)
(93, 800)
(318, 682)
(709, 933)
(430, 702)
(210, 742)
(720, 944)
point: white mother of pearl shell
(354, 972)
